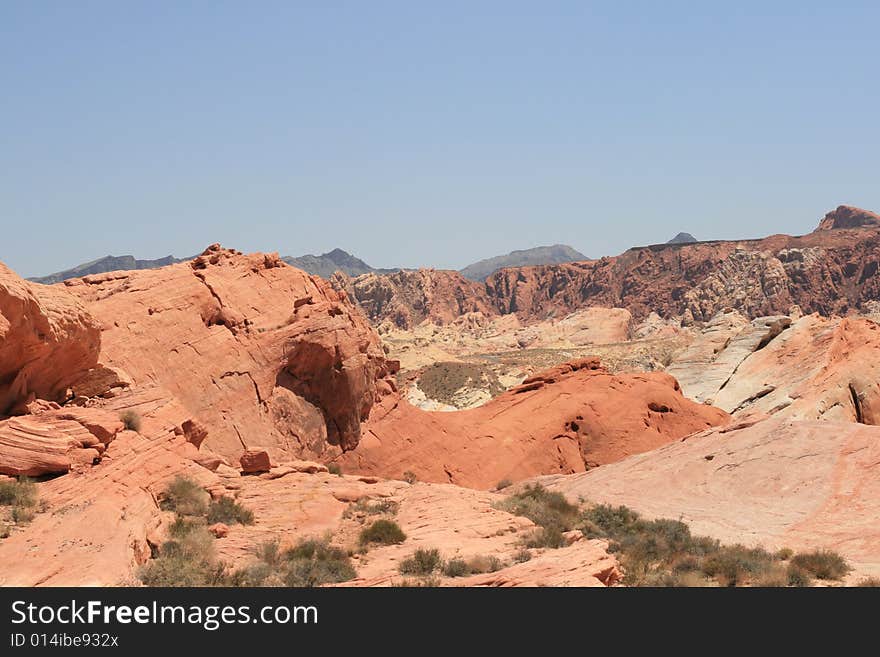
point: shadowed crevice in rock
(857, 404)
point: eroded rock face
(565, 420)
(407, 298)
(803, 484)
(47, 342)
(847, 216)
(260, 354)
(827, 271)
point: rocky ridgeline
(831, 270)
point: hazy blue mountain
(540, 255)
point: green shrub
(21, 492)
(504, 483)
(383, 532)
(21, 515)
(182, 527)
(784, 554)
(736, 564)
(334, 469)
(228, 511)
(131, 420)
(410, 477)
(186, 560)
(185, 497)
(823, 564)
(421, 562)
(546, 509)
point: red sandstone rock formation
(565, 420)
(260, 354)
(47, 342)
(846, 216)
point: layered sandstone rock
(803, 484)
(47, 342)
(565, 420)
(847, 216)
(55, 441)
(260, 354)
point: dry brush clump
(188, 557)
(20, 496)
(663, 552)
(382, 532)
(549, 510)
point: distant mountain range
(105, 264)
(326, 264)
(540, 255)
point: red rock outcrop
(846, 216)
(565, 420)
(55, 441)
(407, 298)
(827, 271)
(260, 354)
(47, 342)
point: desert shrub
(419, 583)
(483, 564)
(21, 515)
(186, 560)
(410, 477)
(504, 483)
(228, 511)
(736, 564)
(334, 469)
(522, 555)
(421, 562)
(185, 497)
(823, 564)
(455, 568)
(182, 527)
(383, 532)
(4, 530)
(547, 509)
(545, 537)
(311, 562)
(662, 579)
(370, 508)
(797, 576)
(784, 554)
(131, 420)
(775, 577)
(869, 582)
(19, 493)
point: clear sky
(427, 133)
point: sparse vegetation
(382, 532)
(663, 552)
(185, 497)
(410, 477)
(131, 420)
(869, 582)
(441, 381)
(368, 507)
(228, 511)
(421, 562)
(334, 469)
(822, 564)
(21, 496)
(549, 510)
(504, 483)
(458, 567)
(784, 554)
(521, 556)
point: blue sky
(435, 134)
